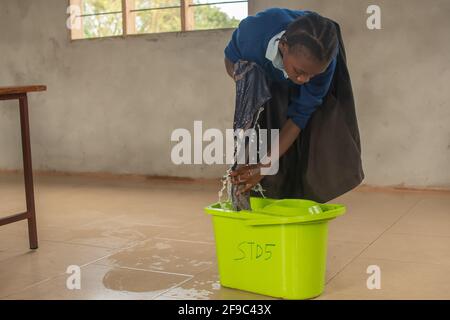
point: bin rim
(255, 218)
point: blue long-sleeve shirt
(250, 41)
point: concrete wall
(112, 104)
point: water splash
(260, 189)
(225, 199)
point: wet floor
(141, 239)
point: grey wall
(112, 104)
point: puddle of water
(133, 281)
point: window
(105, 18)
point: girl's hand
(248, 176)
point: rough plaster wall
(113, 103)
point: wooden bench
(20, 93)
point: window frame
(129, 22)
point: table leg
(28, 171)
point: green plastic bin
(278, 249)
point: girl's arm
(288, 134)
(250, 175)
(230, 68)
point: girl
(297, 50)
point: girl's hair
(314, 32)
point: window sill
(150, 36)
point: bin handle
(327, 215)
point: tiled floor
(138, 239)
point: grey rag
(252, 92)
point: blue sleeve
(232, 51)
(250, 34)
(310, 96)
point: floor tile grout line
(146, 224)
(348, 263)
(117, 251)
(62, 242)
(173, 287)
(103, 265)
(405, 214)
(59, 274)
(147, 270)
(420, 234)
(97, 221)
(78, 244)
(117, 217)
(120, 250)
(104, 247)
(32, 285)
(372, 242)
(81, 266)
(412, 262)
(176, 286)
(180, 240)
(172, 298)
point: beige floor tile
(11, 244)
(341, 253)
(373, 207)
(161, 209)
(19, 229)
(352, 230)
(110, 233)
(201, 230)
(429, 217)
(50, 259)
(11, 282)
(369, 214)
(411, 248)
(10, 279)
(206, 286)
(106, 233)
(162, 216)
(399, 280)
(11, 206)
(64, 212)
(173, 256)
(150, 239)
(12, 200)
(46, 190)
(339, 296)
(102, 282)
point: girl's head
(308, 46)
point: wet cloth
(252, 92)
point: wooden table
(20, 93)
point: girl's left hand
(248, 176)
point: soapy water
(225, 199)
